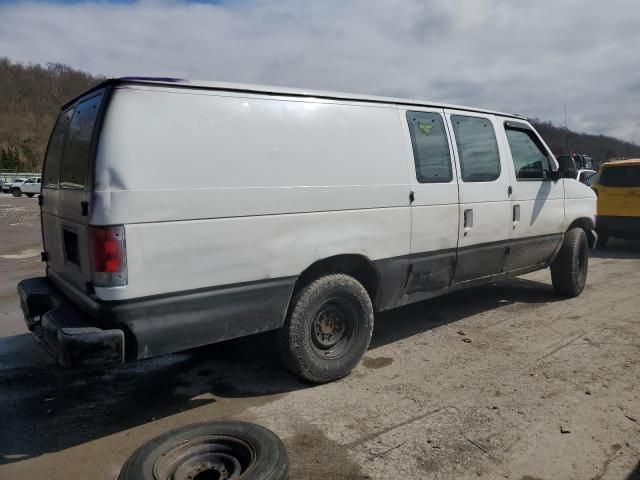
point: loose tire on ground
(328, 328)
(16, 192)
(214, 450)
(569, 269)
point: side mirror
(589, 180)
(555, 175)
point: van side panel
(217, 189)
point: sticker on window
(425, 128)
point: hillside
(30, 96)
(600, 147)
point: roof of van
(285, 91)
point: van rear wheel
(16, 192)
(569, 269)
(328, 328)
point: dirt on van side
(503, 381)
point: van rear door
(66, 187)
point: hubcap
(329, 326)
(208, 457)
(333, 327)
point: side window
(529, 157)
(77, 149)
(430, 147)
(54, 151)
(477, 148)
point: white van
(178, 214)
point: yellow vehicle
(618, 189)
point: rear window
(620, 176)
(77, 147)
(56, 146)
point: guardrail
(9, 176)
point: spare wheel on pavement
(210, 451)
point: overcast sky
(524, 56)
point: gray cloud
(526, 57)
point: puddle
(319, 457)
(377, 362)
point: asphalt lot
(423, 403)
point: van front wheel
(569, 269)
(328, 328)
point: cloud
(525, 57)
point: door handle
(468, 220)
(516, 214)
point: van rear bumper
(79, 329)
(64, 331)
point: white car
(586, 176)
(6, 186)
(29, 187)
(310, 211)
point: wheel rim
(209, 457)
(333, 327)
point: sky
(520, 56)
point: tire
(210, 450)
(603, 238)
(328, 329)
(30, 195)
(570, 267)
(16, 192)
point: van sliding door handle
(468, 218)
(516, 213)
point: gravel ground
(502, 381)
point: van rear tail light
(108, 256)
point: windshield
(620, 176)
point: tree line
(600, 147)
(31, 95)
(30, 99)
